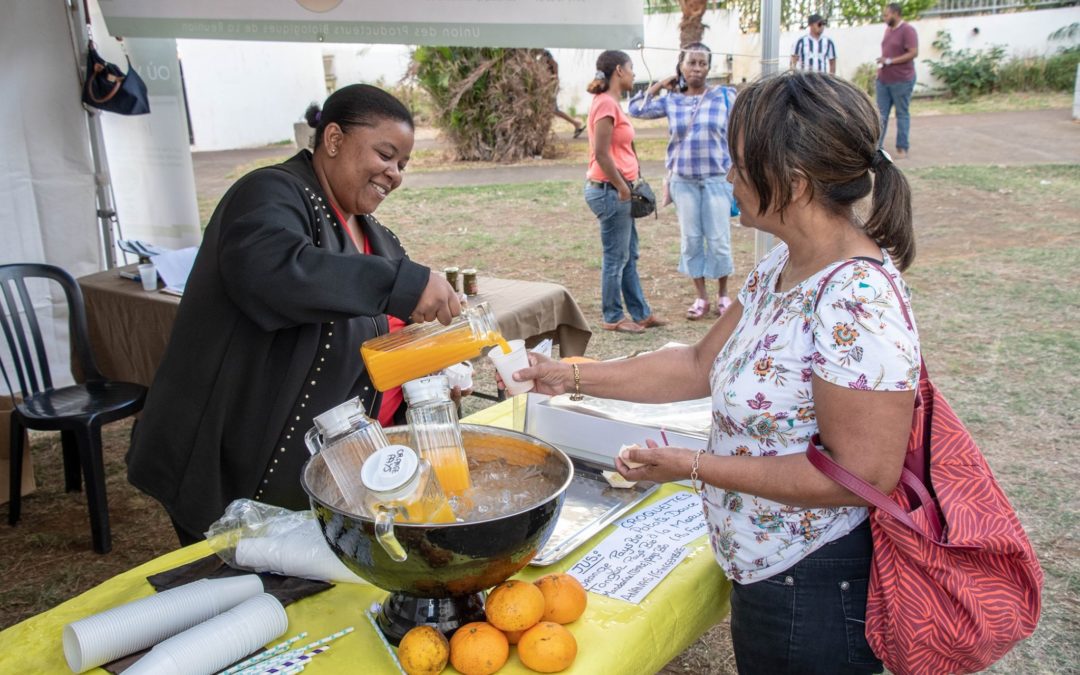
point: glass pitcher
(421, 349)
(401, 487)
(346, 437)
(434, 431)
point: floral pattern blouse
(763, 398)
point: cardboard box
(596, 439)
(28, 485)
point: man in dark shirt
(896, 75)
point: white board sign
(602, 24)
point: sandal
(624, 326)
(697, 310)
(580, 130)
(722, 304)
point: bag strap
(858, 486)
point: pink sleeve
(604, 106)
(911, 38)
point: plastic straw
(298, 660)
(389, 650)
(265, 655)
(664, 436)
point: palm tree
(691, 29)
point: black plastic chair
(78, 411)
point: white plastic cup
(148, 276)
(128, 628)
(508, 364)
(218, 642)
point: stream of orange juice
(391, 368)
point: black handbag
(642, 199)
(107, 87)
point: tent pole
(106, 206)
(770, 65)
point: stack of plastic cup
(126, 629)
(219, 642)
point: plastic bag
(259, 537)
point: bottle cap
(389, 468)
(338, 419)
(427, 388)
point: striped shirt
(697, 152)
(814, 53)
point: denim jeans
(810, 618)
(704, 209)
(618, 276)
(899, 95)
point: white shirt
(763, 398)
(814, 53)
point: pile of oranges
(530, 616)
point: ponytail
(599, 83)
(889, 224)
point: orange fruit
(564, 597)
(423, 651)
(513, 636)
(547, 647)
(478, 648)
(514, 605)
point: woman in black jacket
(293, 274)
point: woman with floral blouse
(816, 342)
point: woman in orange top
(612, 163)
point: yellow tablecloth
(613, 636)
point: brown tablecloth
(130, 327)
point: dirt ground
(48, 559)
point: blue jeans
(808, 619)
(618, 276)
(898, 94)
(704, 209)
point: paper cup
(148, 275)
(218, 642)
(126, 629)
(508, 364)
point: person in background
(896, 75)
(553, 66)
(613, 165)
(815, 51)
(293, 274)
(697, 159)
(817, 342)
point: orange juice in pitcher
(434, 432)
(424, 348)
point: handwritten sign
(644, 548)
(627, 565)
(678, 518)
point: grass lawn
(995, 293)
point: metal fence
(963, 7)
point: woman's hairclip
(599, 75)
(880, 158)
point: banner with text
(600, 24)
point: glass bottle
(346, 437)
(421, 349)
(434, 431)
(401, 487)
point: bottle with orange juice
(424, 348)
(434, 431)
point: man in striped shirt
(814, 51)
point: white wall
(246, 94)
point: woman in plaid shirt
(697, 162)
